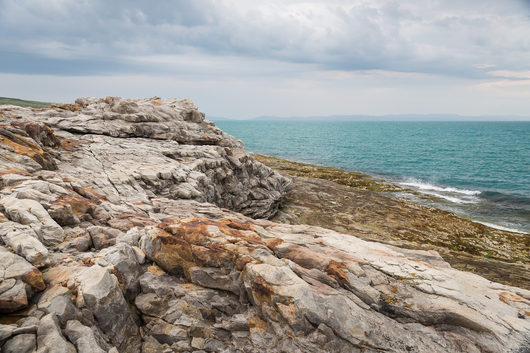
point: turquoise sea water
(477, 169)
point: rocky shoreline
(355, 203)
(135, 225)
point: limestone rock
(23, 343)
(83, 337)
(126, 266)
(18, 281)
(137, 213)
(49, 337)
(6, 331)
(31, 212)
(103, 297)
(24, 241)
(103, 237)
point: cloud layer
(241, 40)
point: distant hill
(217, 118)
(23, 103)
(397, 117)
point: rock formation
(138, 226)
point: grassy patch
(23, 103)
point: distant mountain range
(389, 117)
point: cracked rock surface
(138, 226)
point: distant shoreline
(411, 118)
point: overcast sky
(244, 58)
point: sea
(479, 170)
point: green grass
(23, 103)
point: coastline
(367, 207)
(151, 236)
(437, 164)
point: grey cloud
(443, 37)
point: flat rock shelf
(135, 225)
(355, 203)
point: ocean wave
(426, 186)
(451, 198)
(496, 226)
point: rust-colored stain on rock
(255, 323)
(128, 220)
(79, 204)
(274, 243)
(34, 279)
(242, 261)
(511, 299)
(336, 269)
(195, 230)
(154, 269)
(192, 242)
(262, 290)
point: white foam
(491, 225)
(426, 186)
(449, 198)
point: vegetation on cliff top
(23, 103)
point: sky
(246, 58)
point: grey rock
(63, 308)
(125, 259)
(6, 331)
(213, 345)
(24, 241)
(163, 196)
(166, 333)
(197, 342)
(23, 343)
(50, 338)
(103, 237)
(102, 294)
(19, 280)
(83, 337)
(31, 212)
